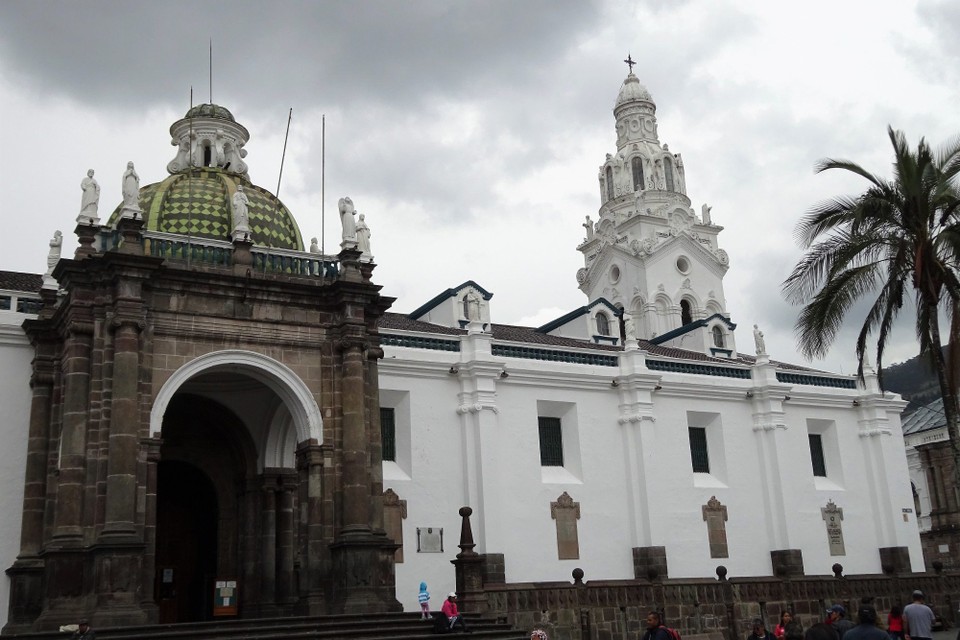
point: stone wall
(717, 609)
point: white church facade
(630, 438)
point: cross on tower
(630, 62)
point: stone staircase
(396, 626)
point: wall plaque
(833, 516)
(715, 515)
(566, 512)
(394, 513)
(429, 539)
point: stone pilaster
(268, 543)
(787, 562)
(130, 235)
(650, 563)
(286, 552)
(313, 546)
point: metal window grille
(388, 434)
(551, 442)
(816, 455)
(699, 455)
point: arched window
(686, 316)
(609, 175)
(637, 165)
(603, 324)
(466, 308)
(207, 155)
(717, 336)
(668, 173)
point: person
(866, 629)
(539, 634)
(918, 619)
(760, 631)
(90, 199)
(837, 618)
(452, 614)
(363, 235)
(655, 628)
(821, 631)
(84, 632)
(424, 599)
(895, 622)
(786, 619)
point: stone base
(363, 580)
(494, 568)
(787, 562)
(895, 559)
(26, 595)
(941, 546)
(650, 563)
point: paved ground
(946, 635)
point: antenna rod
(323, 176)
(284, 156)
(190, 187)
(211, 70)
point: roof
(210, 111)
(17, 281)
(696, 324)
(449, 293)
(576, 313)
(926, 418)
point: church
(206, 416)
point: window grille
(699, 455)
(551, 442)
(388, 434)
(816, 455)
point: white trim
(275, 375)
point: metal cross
(630, 62)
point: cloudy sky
(470, 133)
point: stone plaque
(429, 539)
(566, 512)
(715, 515)
(394, 513)
(833, 516)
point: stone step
(396, 626)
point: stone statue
(53, 257)
(758, 340)
(705, 213)
(629, 326)
(89, 200)
(363, 235)
(241, 215)
(349, 225)
(588, 225)
(314, 246)
(473, 306)
(131, 191)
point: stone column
(268, 543)
(249, 595)
(356, 484)
(469, 569)
(124, 431)
(76, 380)
(286, 587)
(151, 452)
(313, 546)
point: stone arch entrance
(230, 422)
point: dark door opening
(186, 542)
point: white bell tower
(649, 253)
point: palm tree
(898, 238)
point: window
(816, 455)
(551, 442)
(637, 165)
(466, 308)
(698, 450)
(5, 302)
(603, 325)
(668, 173)
(26, 305)
(717, 336)
(609, 175)
(686, 315)
(388, 434)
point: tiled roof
(528, 335)
(926, 418)
(17, 281)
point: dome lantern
(209, 136)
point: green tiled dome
(198, 203)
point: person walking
(918, 619)
(837, 618)
(895, 622)
(760, 631)
(866, 629)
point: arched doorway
(187, 515)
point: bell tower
(648, 252)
